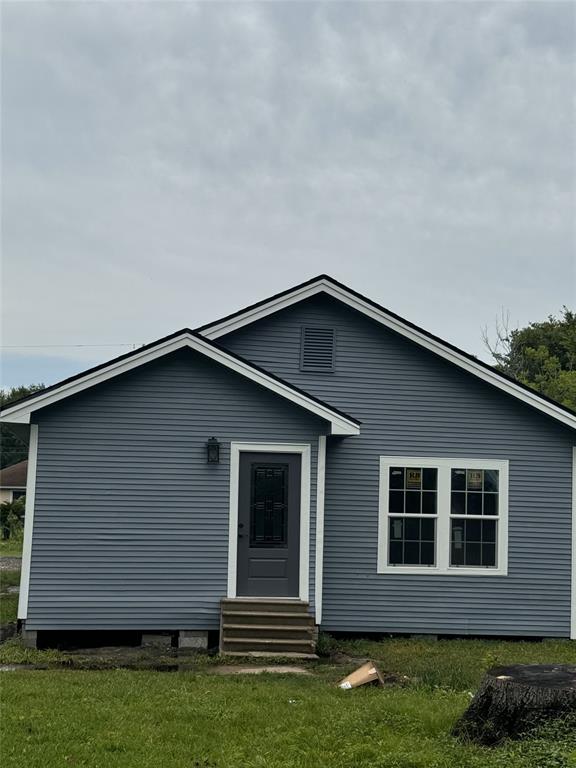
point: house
(13, 482)
(313, 460)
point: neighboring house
(364, 476)
(13, 482)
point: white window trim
(443, 566)
(304, 450)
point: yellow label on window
(413, 478)
(474, 479)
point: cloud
(166, 163)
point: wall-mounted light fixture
(213, 451)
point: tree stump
(512, 700)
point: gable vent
(317, 349)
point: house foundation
(29, 636)
(195, 639)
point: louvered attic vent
(317, 349)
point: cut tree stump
(512, 700)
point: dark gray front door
(269, 525)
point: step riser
(258, 606)
(270, 633)
(287, 649)
(303, 621)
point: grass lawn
(8, 602)
(455, 664)
(149, 719)
(11, 547)
(137, 719)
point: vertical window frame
(404, 516)
(443, 516)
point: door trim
(300, 448)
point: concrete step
(269, 618)
(272, 654)
(266, 625)
(265, 605)
(265, 632)
(276, 645)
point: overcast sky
(167, 163)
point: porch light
(213, 451)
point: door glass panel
(268, 505)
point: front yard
(141, 719)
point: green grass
(11, 547)
(129, 719)
(456, 664)
(8, 602)
(145, 719)
(12, 651)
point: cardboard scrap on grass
(367, 673)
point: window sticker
(474, 479)
(414, 479)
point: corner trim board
(305, 474)
(573, 583)
(28, 523)
(320, 495)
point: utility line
(45, 346)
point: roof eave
(20, 413)
(337, 290)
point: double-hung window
(443, 516)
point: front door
(269, 525)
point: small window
(317, 349)
(18, 495)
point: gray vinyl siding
(131, 523)
(411, 402)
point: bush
(12, 518)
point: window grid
(474, 535)
(493, 555)
(412, 511)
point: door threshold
(268, 599)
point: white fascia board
(20, 414)
(442, 350)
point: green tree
(541, 355)
(12, 449)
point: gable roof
(19, 412)
(327, 285)
(14, 476)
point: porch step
(262, 618)
(281, 631)
(265, 605)
(266, 626)
(276, 645)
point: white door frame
(304, 450)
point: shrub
(12, 518)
